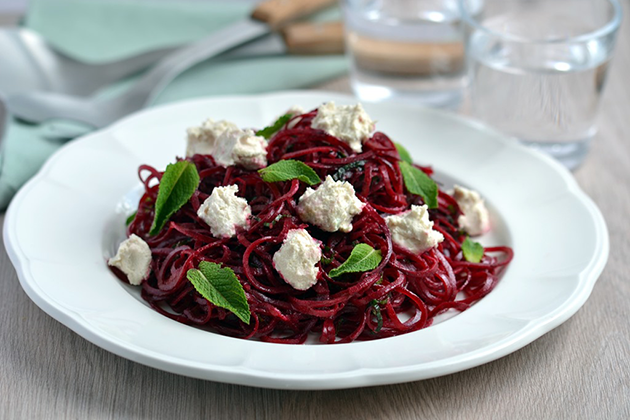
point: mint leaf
(130, 218)
(269, 131)
(362, 258)
(286, 170)
(221, 287)
(473, 251)
(179, 182)
(405, 156)
(419, 183)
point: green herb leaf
(221, 287)
(130, 218)
(179, 182)
(340, 173)
(275, 220)
(473, 251)
(419, 183)
(405, 156)
(326, 261)
(286, 170)
(362, 258)
(269, 131)
(376, 311)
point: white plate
(63, 224)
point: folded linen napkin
(113, 29)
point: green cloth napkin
(113, 29)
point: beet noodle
(403, 294)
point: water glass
(537, 69)
(409, 50)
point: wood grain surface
(580, 370)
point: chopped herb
(326, 261)
(276, 220)
(340, 174)
(376, 311)
(182, 242)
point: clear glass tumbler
(537, 69)
(409, 50)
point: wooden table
(579, 370)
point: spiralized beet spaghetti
(403, 294)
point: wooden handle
(314, 38)
(276, 13)
(406, 58)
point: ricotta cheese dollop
(331, 207)
(202, 139)
(228, 144)
(349, 123)
(241, 147)
(223, 211)
(476, 219)
(293, 111)
(133, 258)
(413, 230)
(297, 259)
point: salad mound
(315, 225)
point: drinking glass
(409, 50)
(537, 69)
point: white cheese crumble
(241, 147)
(297, 259)
(201, 140)
(331, 207)
(293, 111)
(476, 219)
(350, 123)
(223, 211)
(133, 258)
(228, 144)
(413, 230)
